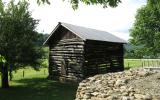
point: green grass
(134, 63)
(35, 86)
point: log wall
(66, 57)
(72, 58)
(102, 57)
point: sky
(117, 20)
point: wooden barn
(78, 52)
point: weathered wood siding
(66, 56)
(72, 58)
(102, 57)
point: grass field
(133, 63)
(35, 86)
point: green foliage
(104, 3)
(134, 52)
(75, 3)
(18, 35)
(43, 1)
(1, 6)
(44, 60)
(2, 59)
(44, 50)
(154, 3)
(44, 63)
(41, 38)
(146, 31)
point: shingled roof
(88, 33)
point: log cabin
(77, 52)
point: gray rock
(121, 82)
(94, 93)
(131, 89)
(103, 95)
(147, 97)
(111, 98)
(139, 96)
(87, 96)
(82, 84)
(123, 88)
(126, 98)
(143, 73)
(125, 93)
(136, 84)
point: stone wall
(114, 86)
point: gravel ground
(147, 85)
(133, 84)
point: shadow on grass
(127, 68)
(39, 89)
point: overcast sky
(114, 20)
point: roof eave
(61, 24)
(124, 42)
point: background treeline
(145, 32)
(39, 43)
(138, 52)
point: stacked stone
(113, 86)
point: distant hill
(129, 47)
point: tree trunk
(10, 72)
(4, 76)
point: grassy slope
(35, 86)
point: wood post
(10, 72)
(23, 73)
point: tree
(4, 72)
(74, 3)
(146, 30)
(154, 3)
(18, 35)
(104, 3)
(40, 40)
(132, 51)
